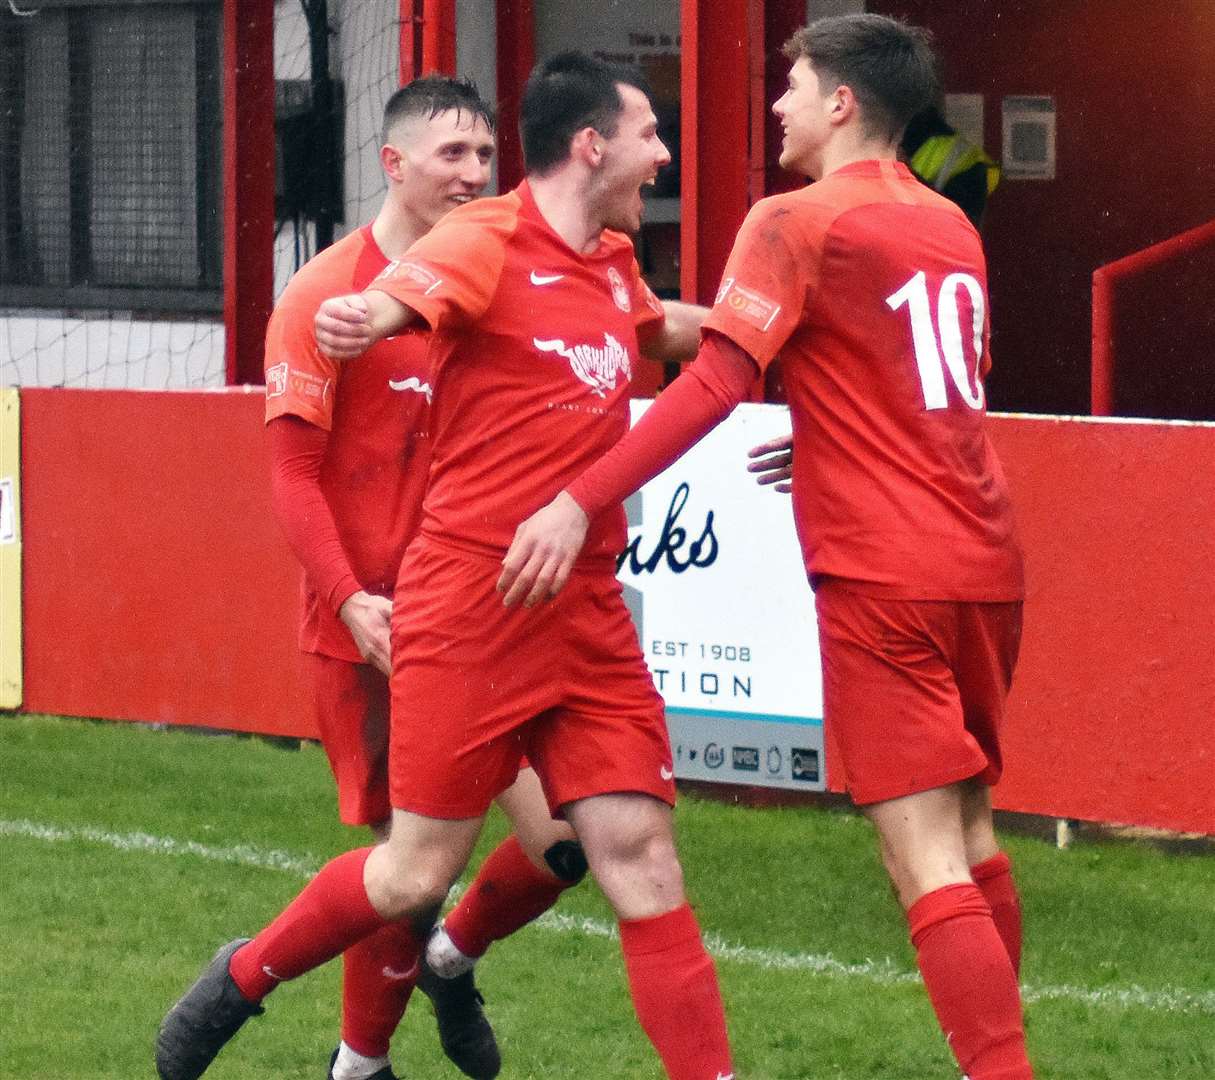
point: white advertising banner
(713, 575)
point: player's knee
(567, 861)
(649, 853)
(416, 894)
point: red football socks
(675, 993)
(326, 918)
(970, 980)
(508, 893)
(378, 975)
(995, 881)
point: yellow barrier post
(10, 548)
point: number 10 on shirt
(914, 294)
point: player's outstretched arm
(679, 336)
(347, 326)
(773, 463)
(543, 552)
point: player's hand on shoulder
(772, 463)
(543, 552)
(369, 619)
(342, 326)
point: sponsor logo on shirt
(620, 291)
(412, 383)
(600, 368)
(545, 279)
(411, 271)
(747, 303)
(276, 380)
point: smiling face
(437, 163)
(630, 160)
(805, 114)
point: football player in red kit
(350, 456)
(538, 316)
(872, 289)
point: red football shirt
(376, 411)
(872, 288)
(534, 348)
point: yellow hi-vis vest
(942, 157)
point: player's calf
(630, 846)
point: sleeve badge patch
(747, 303)
(412, 272)
(276, 380)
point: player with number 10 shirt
(852, 281)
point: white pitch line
(239, 855)
(878, 972)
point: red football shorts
(351, 702)
(476, 684)
(914, 690)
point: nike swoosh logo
(669, 774)
(545, 279)
(266, 969)
(400, 976)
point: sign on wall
(1029, 138)
(714, 578)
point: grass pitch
(127, 855)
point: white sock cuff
(351, 1065)
(443, 958)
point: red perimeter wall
(157, 585)
(157, 588)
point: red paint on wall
(1135, 97)
(1112, 714)
(157, 586)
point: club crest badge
(620, 291)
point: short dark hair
(889, 66)
(434, 94)
(565, 94)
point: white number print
(914, 294)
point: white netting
(365, 60)
(64, 225)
